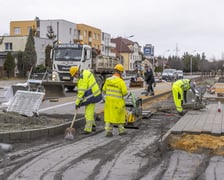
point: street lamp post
(164, 58)
(191, 63)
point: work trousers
(178, 98)
(89, 116)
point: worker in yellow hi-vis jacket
(88, 94)
(179, 91)
(114, 110)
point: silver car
(180, 74)
(169, 75)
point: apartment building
(16, 44)
(129, 52)
(89, 35)
(107, 45)
(63, 30)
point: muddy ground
(138, 155)
(15, 122)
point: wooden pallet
(136, 84)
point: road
(140, 155)
(98, 157)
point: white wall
(64, 30)
(19, 43)
(107, 45)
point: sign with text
(148, 51)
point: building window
(17, 30)
(84, 34)
(8, 46)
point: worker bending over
(114, 110)
(88, 94)
(179, 90)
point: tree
(50, 33)
(29, 55)
(9, 65)
(20, 65)
(48, 62)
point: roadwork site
(160, 145)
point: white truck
(66, 55)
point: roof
(122, 44)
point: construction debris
(197, 143)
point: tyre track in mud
(84, 152)
(135, 156)
(98, 157)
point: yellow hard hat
(119, 67)
(73, 70)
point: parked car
(180, 74)
(169, 75)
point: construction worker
(88, 94)
(150, 80)
(114, 110)
(179, 91)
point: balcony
(78, 38)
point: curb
(33, 134)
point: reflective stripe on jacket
(88, 89)
(114, 110)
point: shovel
(69, 132)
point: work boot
(181, 113)
(109, 134)
(94, 128)
(86, 132)
(123, 133)
(152, 94)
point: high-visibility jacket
(114, 110)
(184, 84)
(178, 89)
(88, 89)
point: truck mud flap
(53, 90)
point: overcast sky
(193, 26)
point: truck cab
(66, 55)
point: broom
(69, 132)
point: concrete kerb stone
(148, 98)
(32, 134)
